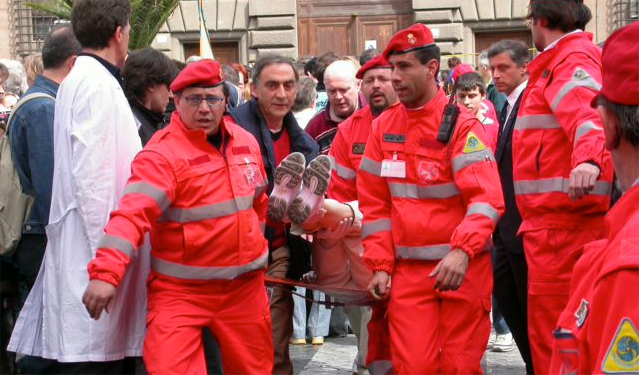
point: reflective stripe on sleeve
(263, 227)
(464, 160)
(584, 129)
(344, 172)
(531, 122)
(182, 271)
(376, 226)
(259, 190)
(380, 367)
(556, 185)
(151, 191)
(371, 166)
(568, 87)
(118, 243)
(431, 252)
(483, 209)
(402, 190)
(212, 211)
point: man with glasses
(199, 187)
(562, 174)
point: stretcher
(339, 296)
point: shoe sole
(288, 178)
(315, 183)
(497, 349)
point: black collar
(114, 70)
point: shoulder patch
(623, 353)
(580, 75)
(358, 148)
(473, 144)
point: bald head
(342, 88)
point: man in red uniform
(562, 173)
(598, 331)
(331, 254)
(199, 188)
(429, 209)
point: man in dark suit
(508, 61)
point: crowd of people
(165, 194)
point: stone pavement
(337, 354)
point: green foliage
(147, 16)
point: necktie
(503, 117)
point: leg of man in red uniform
(551, 255)
(379, 360)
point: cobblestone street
(337, 354)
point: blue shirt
(31, 140)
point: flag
(205, 44)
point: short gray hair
(518, 51)
(483, 59)
(628, 119)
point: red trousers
(378, 359)
(551, 255)
(439, 333)
(236, 311)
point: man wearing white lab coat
(95, 140)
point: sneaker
(319, 340)
(288, 179)
(315, 183)
(298, 341)
(504, 343)
(491, 340)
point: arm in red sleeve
(476, 176)
(375, 204)
(260, 202)
(575, 81)
(343, 187)
(149, 191)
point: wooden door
(224, 52)
(484, 40)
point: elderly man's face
(342, 95)
(201, 114)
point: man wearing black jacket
(508, 61)
(269, 118)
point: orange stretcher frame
(341, 296)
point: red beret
(620, 66)
(203, 73)
(461, 69)
(415, 37)
(376, 62)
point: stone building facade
(242, 30)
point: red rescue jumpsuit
(556, 130)
(598, 331)
(447, 200)
(206, 210)
(347, 151)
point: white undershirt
(511, 99)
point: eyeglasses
(212, 101)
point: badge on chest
(253, 175)
(393, 168)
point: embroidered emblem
(623, 353)
(411, 38)
(473, 144)
(580, 75)
(582, 313)
(427, 171)
(394, 138)
(358, 148)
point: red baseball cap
(377, 62)
(461, 69)
(203, 73)
(415, 37)
(620, 66)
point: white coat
(95, 140)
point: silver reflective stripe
(568, 87)
(120, 244)
(149, 190)
(371, 166)
(344, 172)
(584, 129)
(530, 122)
(380, 368)
(263, 227)
(483, 209)
(635, 183)
(376, 226)
(212, 211)
(400, 190)
(464, 160)
(182, 271)
(432, 252)
(556, 185)
(259, 190)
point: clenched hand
(451, 270)
(98, 296)
(582, 180)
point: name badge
(393, 168)
(253, 176)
